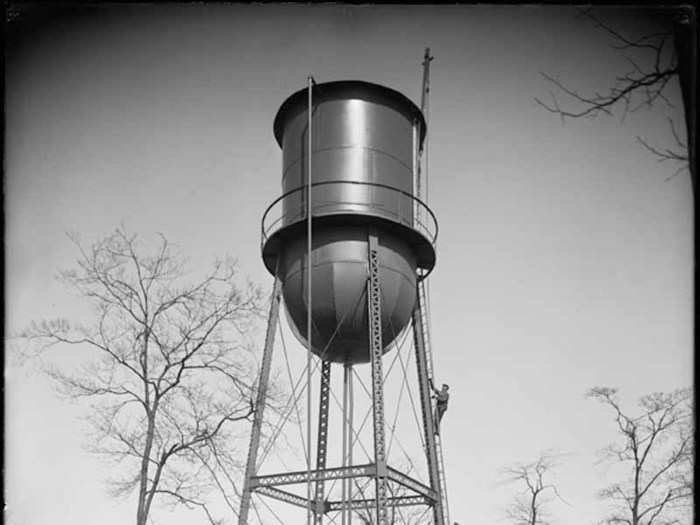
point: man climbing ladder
(441, 397)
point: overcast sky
(564, 257)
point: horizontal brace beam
(302, 476)
(357, 504)
(356, 471)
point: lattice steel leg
(322, 445)
(351, 412)
(260, 401)
(426, 406)
(346, 515)
(375, 344)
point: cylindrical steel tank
(364, 141)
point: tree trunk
(685, 41)
(142, 511)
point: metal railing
(379, 200)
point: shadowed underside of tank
(364, 137)
(339, 290)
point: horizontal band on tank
(402, 207)
(346, 89)
(297, 160)
(423, 248)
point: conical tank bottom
(339, 273)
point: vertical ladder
(423, 298)
(424, 319)
(443, 484)
(422, 286)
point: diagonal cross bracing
(283, 495)
(411, 483)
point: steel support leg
(346, 515)
(351, 431)
(260, 401)
(375, 345)
(344, 447)
(426, 406)
(322, 444)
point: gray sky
(564, 257)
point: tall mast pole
(424, 105)
(310, 516)
(426, 78)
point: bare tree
(166, 367)
(531, 504)
(655, 449)
(655, 59)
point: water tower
(350, 166)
